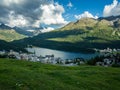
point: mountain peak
(3, 26)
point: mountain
(111, 18)
(8, 46)
(3, 26)
(23, 32)
(83, 35)
(117, 23)
(9, 34)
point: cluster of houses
(51, 59)
(109, 57)
(108, 51)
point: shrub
(3, 56)
(116, 65)
(94, 60)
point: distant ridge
(110, 18)
(9, 34)
(3, 26)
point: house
(59, 61)
(68, 61)
(32, 57)
(2, 52)
(49, 58)
(107, 62)
(79, 61)
(23, 56)
(12, 54)
(99, 63)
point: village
(50, 59)
(106, 58)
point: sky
(54, 13)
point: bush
(3, 56)
(94, 60)
(116, 65)
(91, 62)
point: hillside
(89, 30)
(24, 75)
(81, 36)
(8, 46)
(22, 31)
(10, 35)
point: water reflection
(61, 54)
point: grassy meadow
(24, 75)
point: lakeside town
(107, 57)
(51, 59)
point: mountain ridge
(84, 35)
(9, 34)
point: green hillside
(90, 30)
(23, 75)
(81, 36)
(8, 46)
(10, 35)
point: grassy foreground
(23, 75)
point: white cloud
(30, 30)
(17, 20)
(31, 13)
(36, 24)
(112, 9)
(86, 14)
(48, 29)
(9, 2)
(70, 5)
(52, 14)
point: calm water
(61, 54)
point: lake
(61, 54)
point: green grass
(23, 75)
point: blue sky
(95, 7)
(54, 13)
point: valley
(84, 35)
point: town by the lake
(106, 57)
